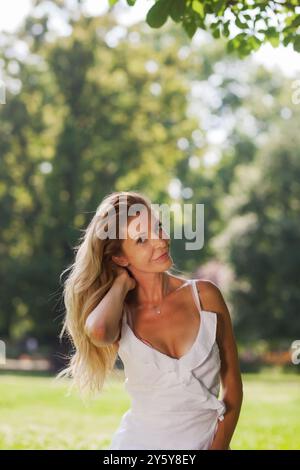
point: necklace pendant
(157, 310)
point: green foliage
(261, 240)
(158, 14)
(280, 21)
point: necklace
(157, 308)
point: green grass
(37, 413)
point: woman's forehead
(140, 223)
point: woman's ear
(119, 261)
(114, 259)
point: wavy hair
(90, 278)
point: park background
(96, 104)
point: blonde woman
(173, 335)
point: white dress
(174, 402)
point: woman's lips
(163, 257)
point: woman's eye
(158, 225)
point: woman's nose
(161, 242)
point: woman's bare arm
(231, 380)
(103, 323)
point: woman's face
(143, 245)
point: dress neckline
(184, 356)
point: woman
(174, 336)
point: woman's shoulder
(209, 293)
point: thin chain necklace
(157, 308)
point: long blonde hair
(91, 276)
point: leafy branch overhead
(245, 24)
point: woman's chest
(172, 332)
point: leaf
(216, 33)
(158, 13)
(230, 45)
(131, 2)
(287, 39)
(257, 17)
(239, 37)
(112, 2)
(272, 36)
(208, 8)
(271, 32)
(226, 28)
(274, 41)
(219, 6)
(297, 43)
(177, 10)
(296, 21)
(255, 42)
(198, 8)
(190, 28)
(239, 23)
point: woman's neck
(150, 294)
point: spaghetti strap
(196, 297)
(196, 294)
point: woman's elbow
(95, 333)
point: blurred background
(96, 101)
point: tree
(256, 22)
(261, 240)
(87, 120)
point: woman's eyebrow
(144, 233)
(140, 234)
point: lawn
(37, 413)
